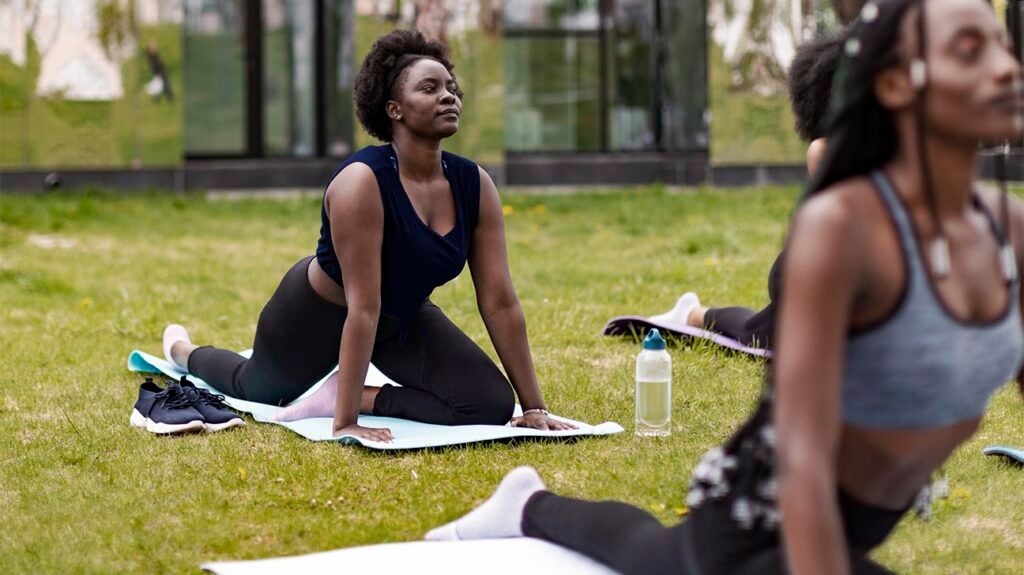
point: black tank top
(414, 258)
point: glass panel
(1015, 26)
(684, 99)
(552, 94)
(751, 47)
(289, 82)
(339, 74)
(477, 55)
(215, 105)
(156, 80)
(547, 14)
(631, 102)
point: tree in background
(116, 33)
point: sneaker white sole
(213, 427)
(142, 422)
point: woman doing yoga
(398, 220)
(899, 318)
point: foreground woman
(899, 318)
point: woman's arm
(817, 294)
(499, 306)
(357, 230)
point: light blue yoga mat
(1014, 454)
(407, 434)
(489, 556)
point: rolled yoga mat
(638, 325)
(408, 434)
(491, 556)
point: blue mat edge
(1009, 452)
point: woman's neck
(953, 167)
(420, 160)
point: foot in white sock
(173, 334)
(500, 516)
(680, 314)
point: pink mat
(634, 324)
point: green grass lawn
(85, 279)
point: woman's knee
(490, 402)
(500, 403)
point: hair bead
(918, 74)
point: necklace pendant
(1008, 263)
(939, 256)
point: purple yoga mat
(629, 324)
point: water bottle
(653, 388)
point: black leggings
(749, 327)
(708, 542)
(445, 377)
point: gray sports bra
(922, 367)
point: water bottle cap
(653, 340)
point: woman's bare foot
(696, 317)
(322, 402)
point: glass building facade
(149, 83)
(604, 75)
(268, 78)
(137, 84)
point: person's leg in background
(749, 327)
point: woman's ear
(894, 89)
(394, 110)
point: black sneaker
(217, 414)
(165, 411)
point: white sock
(500, 516)
(173, 334)
(680, 314)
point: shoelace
(174, 397)
(211, 399)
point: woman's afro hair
(810, 82)
(382, 70)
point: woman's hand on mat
(381, 434)
(541, 421)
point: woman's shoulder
(356, 177)
(846, 216)
(458, 162)
(845, 201)
(374, 156)
(466, 171)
